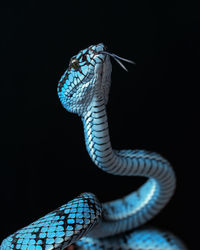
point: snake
(84, 221)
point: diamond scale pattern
(59, 228)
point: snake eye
(74, 63)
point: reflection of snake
(84, 89)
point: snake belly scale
(84, 221)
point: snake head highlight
(89, 72)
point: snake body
(84, 90)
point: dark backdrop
(44, 162)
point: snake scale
(84, 221)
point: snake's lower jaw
(103, 70)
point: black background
(44, 162)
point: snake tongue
(118, 58)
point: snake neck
(96, 133)
(97, 138)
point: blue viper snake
(84, 221)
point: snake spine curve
(84, 221)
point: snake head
(89, 72)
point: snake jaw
(104, 78)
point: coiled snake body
(84, 90)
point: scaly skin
(84, 90)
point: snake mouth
(101, 49)
(118, 58)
